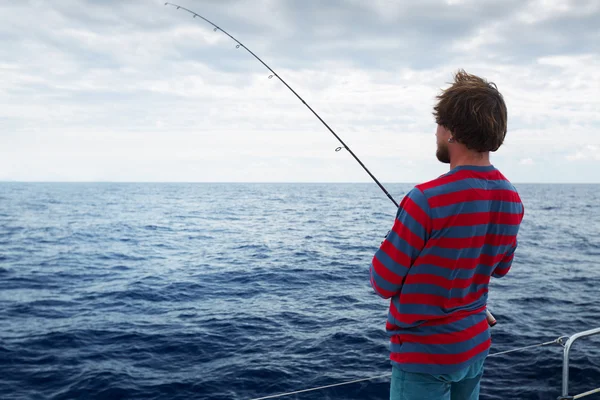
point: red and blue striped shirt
(449, 237)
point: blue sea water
(237, 291)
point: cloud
(133, 90)
(527, 161)
(589, 152)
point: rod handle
(490, 318)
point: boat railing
(565, 375)
(565, 341)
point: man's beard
(443, 154)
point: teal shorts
(461, 385)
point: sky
(136, 91)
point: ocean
(237, 291)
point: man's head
(470, 113)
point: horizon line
(280, 182)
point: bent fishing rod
(490, 318)
(274, 74)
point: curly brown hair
(474, 111)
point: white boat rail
(565, 341)
(567, 354)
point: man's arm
(402, 245)
(504, 266)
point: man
(449, 237)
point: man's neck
(471, 158)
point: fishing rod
(274, 74)
(490, 317)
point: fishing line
(274, 74)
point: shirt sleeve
(403, 244)
(504, 266)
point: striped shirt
(449, 237)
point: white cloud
(589, 152)
(527, 161)
(541, 10)
(137, 91)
